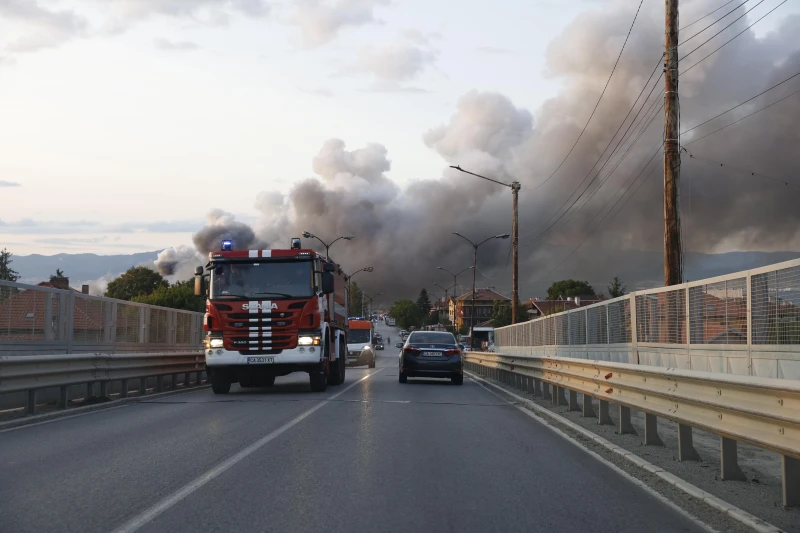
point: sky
(125, 121)
(140, 125)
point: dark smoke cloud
(406, 233)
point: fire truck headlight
(308, 340)
(215, 343)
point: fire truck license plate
(260, 360)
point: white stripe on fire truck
(252, 253)
(266, 253)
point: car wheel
(220, 383)
(457, 380)
(403, 377)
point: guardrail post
(174, 382)
(729, 461)
(103, 389)
(554, 397)
(791, 481)
(89, 390)
(199, 378)
(603, 418)
(587, 406)
(573, 401)
(63, 399)
(159, 383)
(31, 406)
(142, 386)
(651, 437)
(686, 450)
(123, 388)
(186, 379)
(561, 399)
(625, 426)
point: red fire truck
(270, 313)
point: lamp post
(370, 298)
(446, 299)
(474, 268)
(515, 187)
(327, 246)
(455, 277)
(349, 278)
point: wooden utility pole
(672, 150)
(515, 187)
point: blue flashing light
(227, 246)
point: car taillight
(410, 350)
(452, 351)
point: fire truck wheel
(220, 383)
(318, 379)
(372, 362)
(335, 373)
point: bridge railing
(744, 323)
(37, 320)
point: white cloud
(209, 12)
(396, 62)
(319, 21)
(45, 28)
(175, 46)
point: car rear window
(432, 337)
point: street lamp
(370, 298)
(308, 235)
(455, 277)
(349, 279)
(515, 187)
(446, 299)
(474, 268)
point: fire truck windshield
(266, 279)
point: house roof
(25, 311)
(483, 295)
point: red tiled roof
(25, 312)
(483, 295)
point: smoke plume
(406, 233)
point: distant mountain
(77, 267)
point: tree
(6, 272)
(617, 289)
(569, 287)
(356, 301)
(407, 314)
(501, 313)
(178, 296)
(424, 302)
(137, 281)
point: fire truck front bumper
(301, 355)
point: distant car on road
(431, 354)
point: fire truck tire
(372, 362)
(220, 383)
(317, 378)
(335, 375)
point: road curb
(729, 509)
(77, 411)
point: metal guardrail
(745, 323)
(45, 320)
(32, 373)
(760, 411)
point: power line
(606, 216)
(710, 25)
(708, 15)
(744, 171)
(734, 37)
(602, 154)
(598, 100)
(741, 104)
(741, 119)
(720, 31)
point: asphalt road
(371, 455)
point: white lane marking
(148, 515)
(60, 418)
(639, 483)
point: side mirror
(198, 271)
(199, 286)
(327, 283)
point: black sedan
(431, 354)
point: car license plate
(431, 354)
(260, 360)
